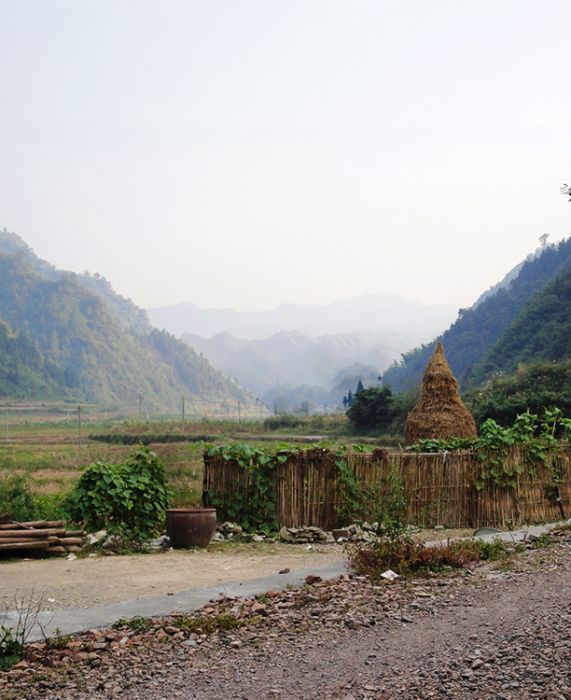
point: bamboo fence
(439, 487)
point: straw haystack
(440, 412)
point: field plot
(50, 447)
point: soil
(85, 582)
(499, 630)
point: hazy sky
(247, 153)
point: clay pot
(190, 527)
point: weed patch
(206, 624)
(135, 624)
(406, 557)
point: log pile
(40, 536)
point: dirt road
(500, 631)
(502, 635)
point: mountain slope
(541, 332)
(22, 368)
(478, 328)
(90, 344)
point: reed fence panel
(439, 487)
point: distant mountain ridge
(69, 336)
(291, 359)
(370, 313)
(478, 328)
(296, 353)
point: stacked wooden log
(40, 536)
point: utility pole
(79, 427)
(238, 410)
(140, 406)
(183, 414)
(6, 416)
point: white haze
(243, 154)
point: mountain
(371, 313)
(293, 353)
(478, 328)
(69, 336)
(540, 333)
(292, 359)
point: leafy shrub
(17, 499)
(129, 499)
(19, 502)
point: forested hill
(479, 327)
(68, 336)
(541, 332)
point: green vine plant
(537, 435)
(384, 503)
(128, 499)
(254, 507)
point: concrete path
(71, 620)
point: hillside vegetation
(534, 387)
(69, 336)
(541, 332)
(480, 327)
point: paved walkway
(70, 620)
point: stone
(340, 533)
(285, 535)
(96, 537)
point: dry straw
(440, 412)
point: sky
(247, 153)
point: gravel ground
(498, 631)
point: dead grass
(440, 412)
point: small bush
(285, 420)
(10, 648)
(404, 556)
(129, 499)
(17, 499)
(13, 637)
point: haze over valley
(296, 353)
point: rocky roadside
(500, 630)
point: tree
(360, 388)
(372, 409)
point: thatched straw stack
(440, 412)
